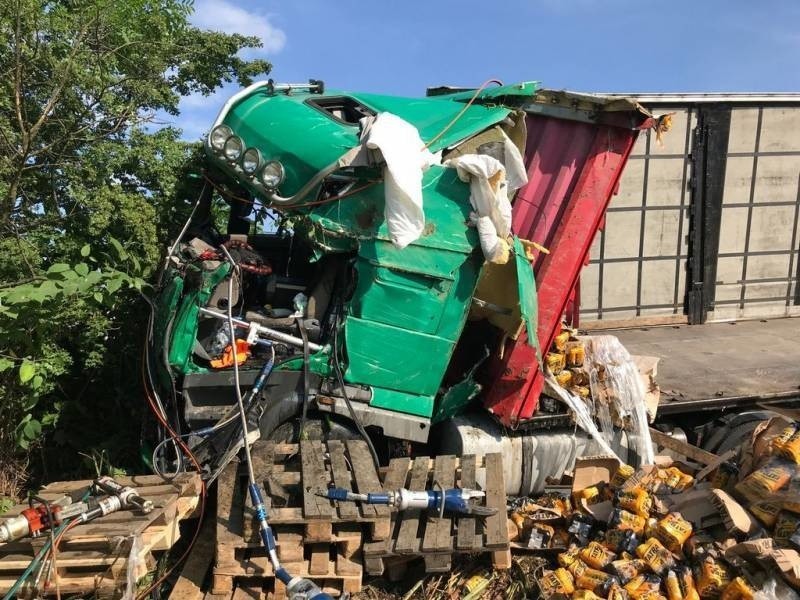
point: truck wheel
(731, 430)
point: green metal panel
(184, 330)
(528, 300)
(456, 399)
(390, 357)
(399, 298)
(412, 404)
(431, 116)
(280, 127)
(513, 94)
(445, 204)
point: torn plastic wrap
(582, 414)
(135, 566)
(406, 158)
(618, 392)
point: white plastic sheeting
(621, 383)
(492, 184)
(406, 158)
(582, 416)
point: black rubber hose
(337, 367)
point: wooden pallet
(96, 556)
(423, 533)
(315, 538)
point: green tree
(88, 197)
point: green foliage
(88, 199)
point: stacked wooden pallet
(315, 538)
(424, 534)
(101, 556)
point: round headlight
(218, 136)
(272, 174)
(251, 159)
(233, 148)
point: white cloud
(221, 15)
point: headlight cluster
(224, 142)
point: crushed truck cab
(393, 336)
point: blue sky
(586, 45)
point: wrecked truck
(395, 267)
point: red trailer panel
(573, 169)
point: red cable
(192, 458)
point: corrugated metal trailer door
(713, 210)
(637, 269)
(757, 265)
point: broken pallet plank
(408, 536)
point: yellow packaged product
(582, 391)
(556, 583)
(635, 500)
(673, 586)
(576, 354)
(670, 477)
(615, 592)
(585, 595)
(650, 527)
(577, 568)
(626, 520)
(686, 580)
(560, 341)
(597, 556)
(779, 442)
(644, 586)
(591, 495)
(555, 361)
(597, 581)
(635, 583)
(765, 481)
(673, 531)
(766, 512)
(627, 570)
(621, 541)
(564, 378)
(647, 595)
(785, 526)
(657, 557)
(621, 475)
(678, 480)
(791, 449)
(712, 577)
(738, 589)
(569, 556)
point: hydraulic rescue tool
(441, 500)
(129, 498)
(41, 516)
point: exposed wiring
(341, 196)
(202, 499)
(12, 592)
(226, 420)
(460, 114)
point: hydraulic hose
(298, 588)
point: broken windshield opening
(342, 108)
